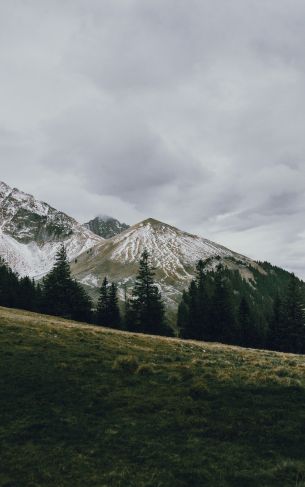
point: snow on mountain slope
(31, 232)
(171, 249)
(174, 254)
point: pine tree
(245, 336)
(223, 318)
(192, 328)
(27, 294)
(108, 313)
(9, 286)
(276, 330)
(146, 306)
(293, 328)
(102, 307)
(113, 307)
(62, 295)
(183, 316)
(56, 286)
(202, 311)
(80, 303)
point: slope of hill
(82, 405)
(174, 255)
(106, 226)
(31, 232)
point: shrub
(145, 369)
(128, 364)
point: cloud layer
(190, 112)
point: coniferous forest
(219, 305)
(223, 307)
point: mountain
(106, 226)
(31, 232)
(174, 254)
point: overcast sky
(191, 112)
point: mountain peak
(174, 255)
(106, 226)
(151, 221)
(156, 225)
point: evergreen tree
(202, 307)
(245, 336)
(57, 287)
(16, 292)
(276, 329)
(102, 307)
(192, 328)
(108, 313)
(146, 306)
(80, 303)
(9, 286)
(27, 298)
(62, 295)
(183, 316)
(293, 326)
(113, 307)
(38, 298)
(223, 320)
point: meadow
(88, 406)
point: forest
(219, 305)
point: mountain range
(32, 231)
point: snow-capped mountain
(174, 254)
(31, 232)
(106, 226)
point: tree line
(59, 294)
(219, 305)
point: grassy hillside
(85, 406)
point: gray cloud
(191, 112)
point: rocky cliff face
(106, 226)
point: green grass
(85, 406)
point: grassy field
(86, 406)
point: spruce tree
(245, 335)
(62, 295)
(146, 306)
(102, 307)
(202, 311)
(113, 307)
(9, 286)
(223, 320)
(27, 294)
(56, 286)
(293, 327)
(183, 316)
(193, 329)
(276, 330)
(108, 313)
